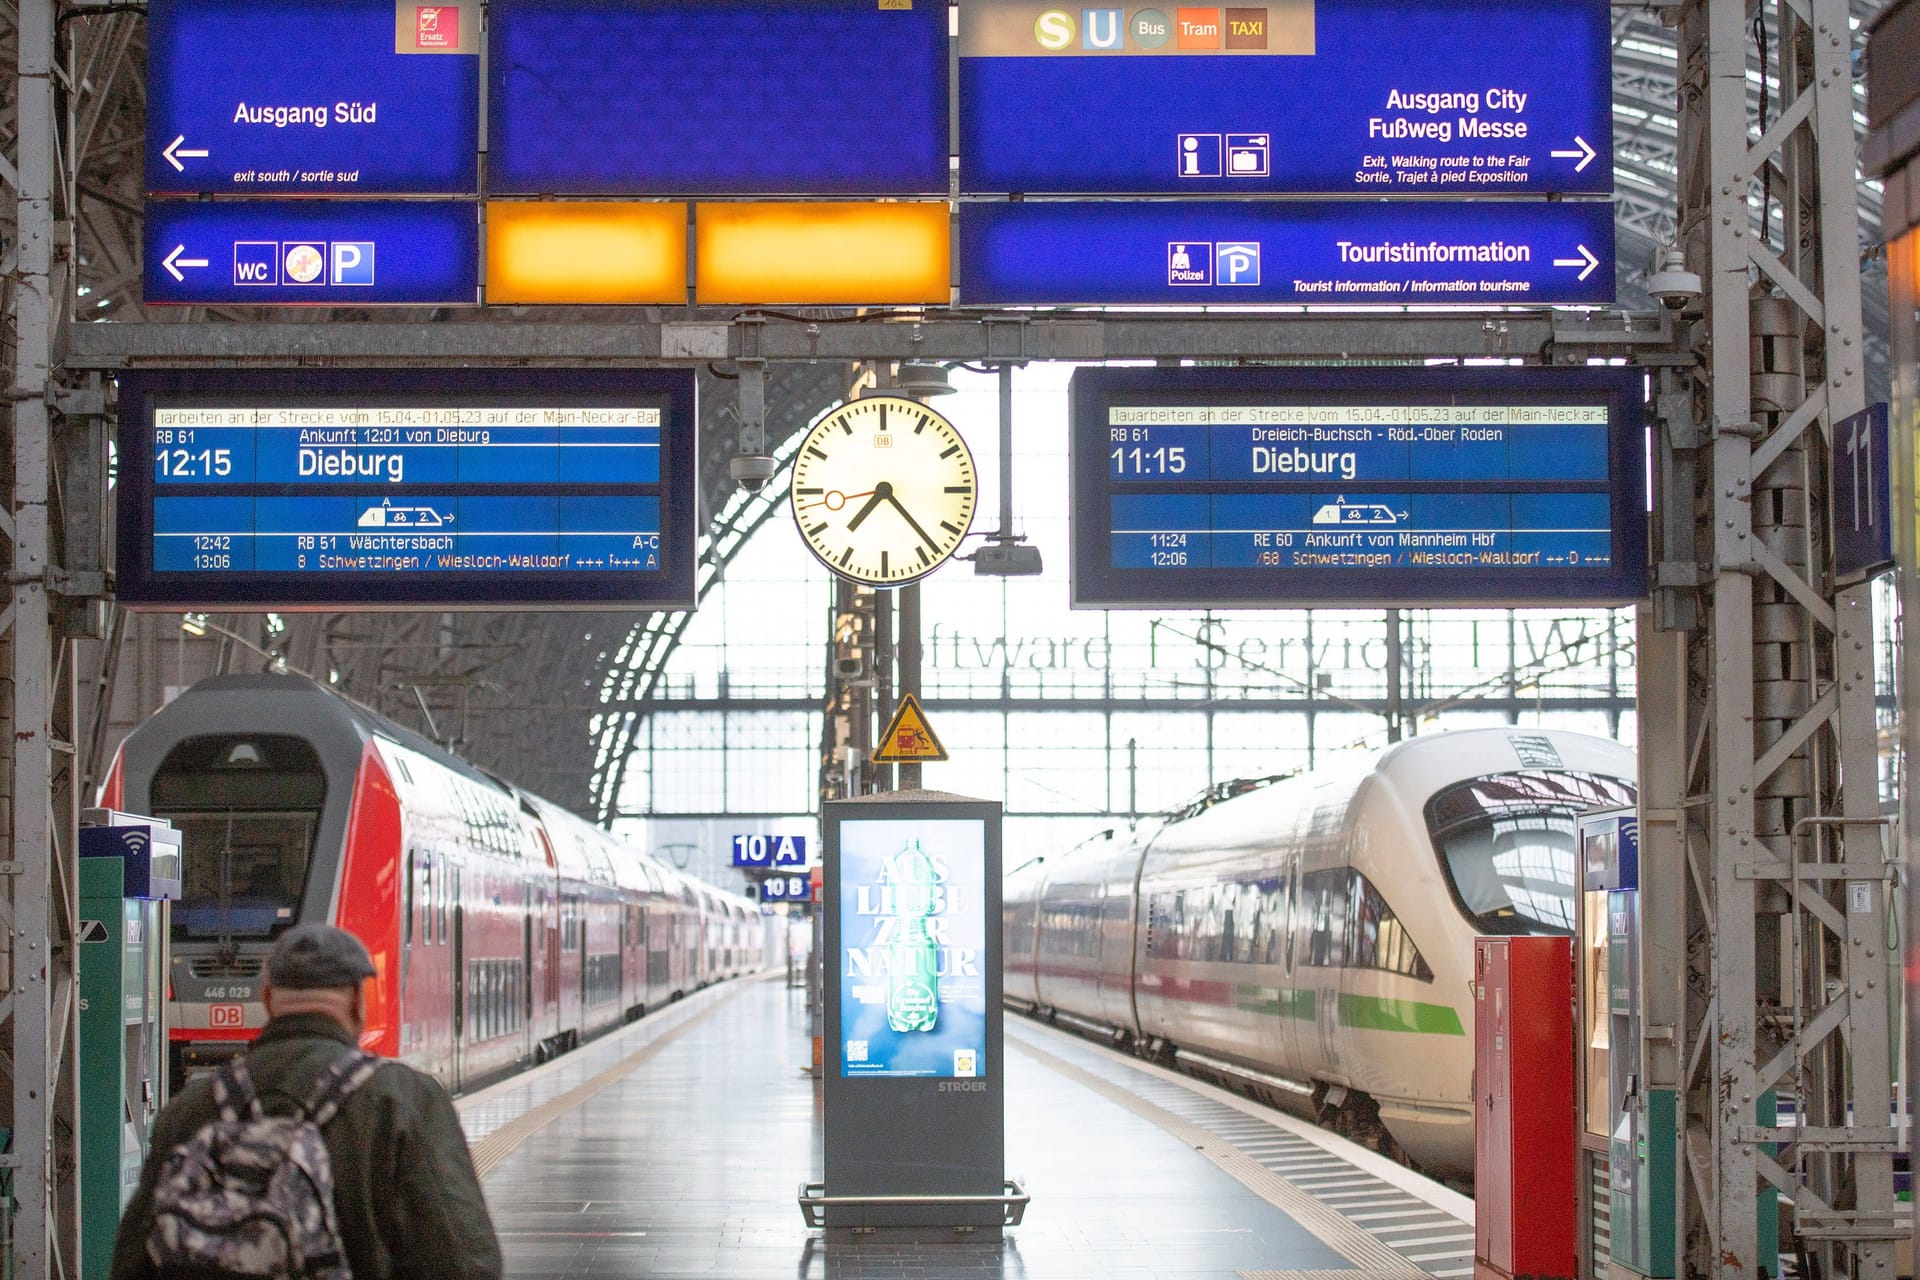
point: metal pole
(1006, 452)
(909, 660)
(1396, 715)
(883, 686)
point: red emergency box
(1524, 1130)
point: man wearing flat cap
(405, 1194)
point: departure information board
(717, 97)
(342, 488)
(1273, 488)
(1382, 97)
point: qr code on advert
(856, 1051)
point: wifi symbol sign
(136, 840)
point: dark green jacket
(404, 1189)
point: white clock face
(883, 490)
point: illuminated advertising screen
(368, 487)
(913, 960)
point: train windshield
(1507, 844)
(247, 808)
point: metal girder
(938, 335)
(1762, 791)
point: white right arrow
(1586, 262)
(175, 150)
(173, 262)
(1584, 154)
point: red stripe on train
(370, 896)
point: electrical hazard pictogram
(908, 737)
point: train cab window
(1507, 844)
(248, 807)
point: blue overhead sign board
(347, 488)
(348, 253)
(320, 97)
(1391, 97)
(1219, 253)
(718, 97)
(1275, 488)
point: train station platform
(676, 1147)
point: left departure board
(1279, 488)
(404, 488)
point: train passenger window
(1507, 844)
(1324, 895)
(1379, 940)
(247, 808)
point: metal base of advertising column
(915, 1107)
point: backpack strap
(233, 1092)
(335, 1085)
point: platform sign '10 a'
(769, 851)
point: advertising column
(915, 1129)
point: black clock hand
(908, 517)
(881, 492)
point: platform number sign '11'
(1862, 496)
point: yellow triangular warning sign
(908, 737)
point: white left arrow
(173, 262)
(1584, 153)
(174, 151)
(1586, 262)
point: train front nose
(248, 807)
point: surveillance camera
(1673, 284)
(751, 471)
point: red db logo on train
(226, 1015)
(437, 26)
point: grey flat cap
(309, 957)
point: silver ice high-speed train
(1312, 938)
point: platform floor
(675, 1148)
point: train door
(459, 974)
(645, 993)
(1298, 998)
(406, 955)
(527, 1033)
(1331, 910)
(580, 938)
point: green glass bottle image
(913, 980)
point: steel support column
(39, 714)
(1771, 839)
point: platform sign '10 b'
(769, 851)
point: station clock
(883, 490)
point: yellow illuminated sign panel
(586, 252)
(823, 254)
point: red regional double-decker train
(504, 929)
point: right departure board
(1276, 488)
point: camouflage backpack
(250, 1195)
